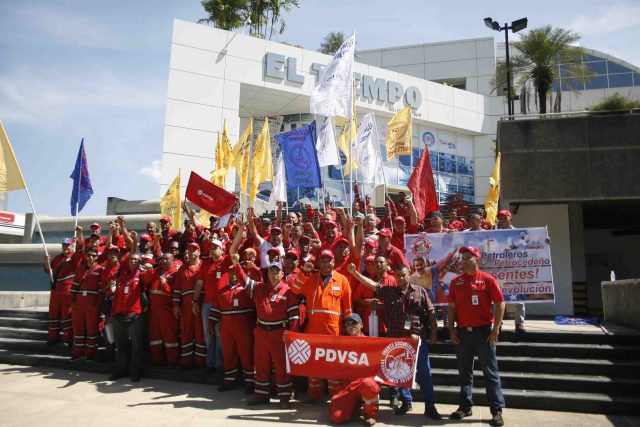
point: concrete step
(564, 350)
(547, 382)
(618, 368)
(24, 323)
(27, 334)
(31, 346)
(30, 312)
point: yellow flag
(399, 134)
(224, 159)
(10, 175)
(261, 166)
(343, 144)
(491, 203)
(241, 153)
(170, 203)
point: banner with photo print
(519, 258)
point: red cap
(147, 259)
(146, 237)
(304, 240)
(292, 253)
(114, 248)
(371, 242)
(340, 240)
(326, 253)
(399, 219)
(193, 246)
(505, 212)
(473, 251)
(276, 229)
(95, 225)
(165, 219)
(370, 258)
(385, 232)
(274, 250)
(330, 224)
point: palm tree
(537, 58)
(225, 14)
(332, 42)
(277, 7)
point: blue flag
(300, 157)
(82, 189)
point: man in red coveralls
(129, 302)
(234, 309)
(63, 268)
(163, 325)
(191, 327)
(86, 299)
(361, 392)
(277, 309)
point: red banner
(393, 360)
(208, 196)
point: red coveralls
(346, 401)
(86, 299)
(327, 305)
(191, 327)
(277, 309)
(64, 270)
(163, 325)
(236, 312)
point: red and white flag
(208, 196)
(392, 360)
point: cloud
(610, 20)
(58, 26)
(154, 171)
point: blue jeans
(472, 344)
(213, 342)
(423, 378)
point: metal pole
(35, 215)
(506, 42)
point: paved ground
(36, 396)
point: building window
(597, 82)
(620, 80)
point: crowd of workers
(220, 298)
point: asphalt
(40, 396)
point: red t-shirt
(473, 296)
(212, 273)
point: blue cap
(354, 317)
(276, 264)
(67, 241)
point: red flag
(422, 187)
(392, 360)
(208, 196)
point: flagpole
(78, 195)
(35, 215)
(384, 180)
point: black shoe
(404, 408)
(74, 357)
(183, 367)
(497, 420)
(116, 376)
(135, 378)
(225, 387)
(520, 329)
(257, 401)
(432, 412)
(52, 343)
(284, 404)
(249, 390)
(394, 403)
(461, 413)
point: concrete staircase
(560, 371)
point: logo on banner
(429, 139)
(398, 360)
(421, 246)
(299, 352)
(300, 157)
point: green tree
(536, 58)
(225, 14)
(332, 42)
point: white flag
(326, 144)
(365, 148)
(279, 190)
(333, 95)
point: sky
(74, 69)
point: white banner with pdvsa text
(519, 258)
